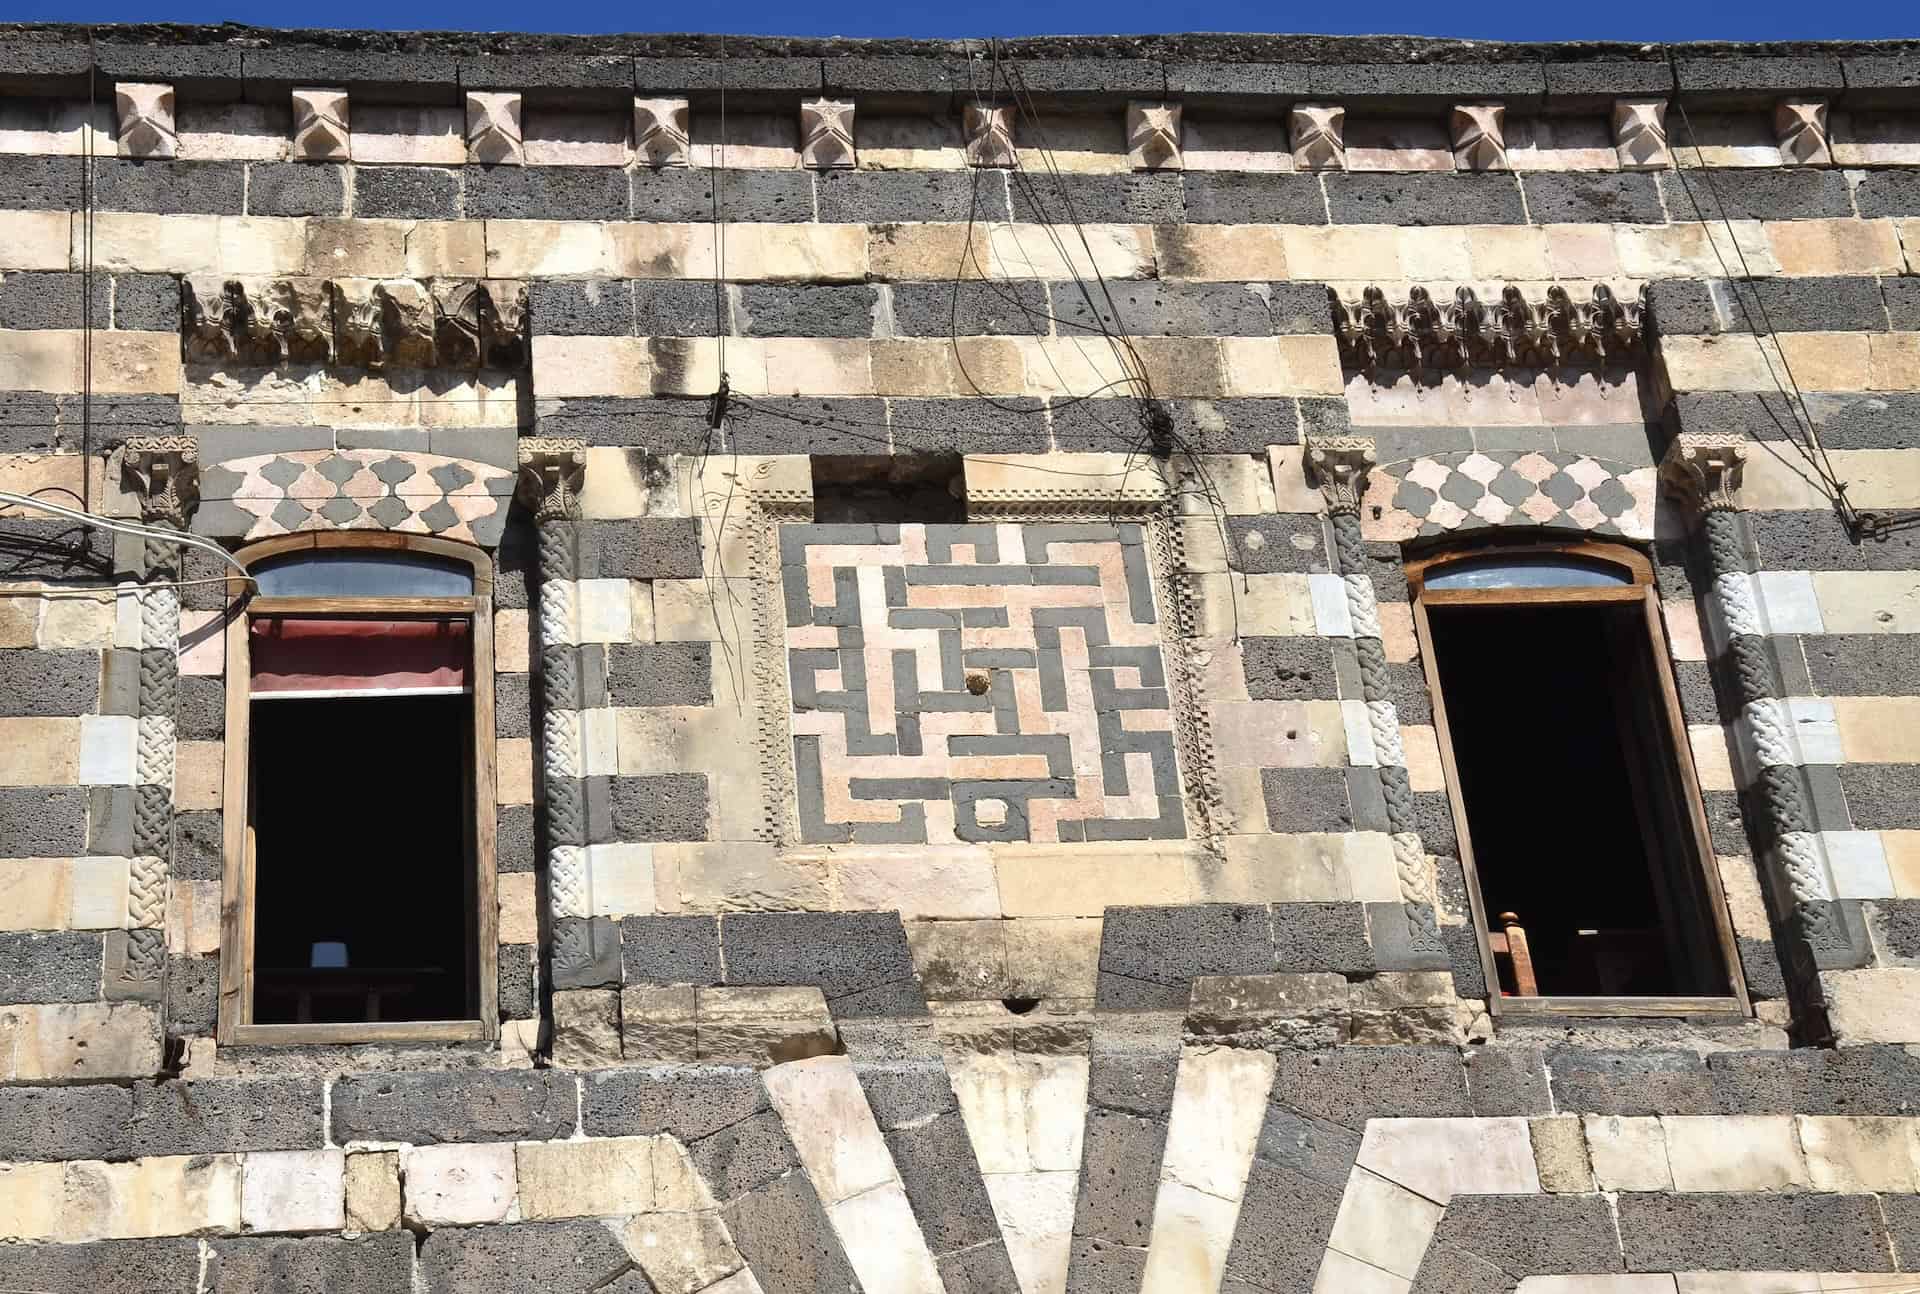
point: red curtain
(295, 654)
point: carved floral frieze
(1418, 334)
(455, 324)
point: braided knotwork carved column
(164, 473)
(1704, 471)
(1339, 466)
(552, 472)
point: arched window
(1589, 867)
(359, 893)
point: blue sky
(1638, 20)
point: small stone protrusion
(494, 135)
(1480, 137)
(1318, 132)
(662, 132)
(1153, 136)
(320, 132)
(1801, 127)
(989, 131)
(1640, 134)
(147, 126)
(826, 134)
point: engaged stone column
(165, 473)
(1339, 466)
(552, 471)
(1704, 471)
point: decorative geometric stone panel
(1441, 493)
(978, 682)
(355, 489)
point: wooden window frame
(236, 1026)
(1640, 589)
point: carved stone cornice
(320, 130)
(165, 473)
(1417, 334)
(454, 324)
(1801, 127)
(1705, 469)
(494, 135)
(146, 121)
(826, 134)
(1153, 136)
(1338, 466)
(1317, 133)
(553, 471)
(1480, 137)
(989, 135)
(662, 132)
(1640, 134)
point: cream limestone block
(519, 915)
(1037, 251)
(1868, 602)
(576, 138)
(373, 1190)
(1441, 1158)
(1629, 1154)
(79, 1041)
(833, 1130)
(1687, 249)
(1861, 1154)
(1875, 1005)
(458, 1185)
(1880, 729)
(1343, 252)
(1891, 358)
(585, 1179)
(683, 1253)
(36, 240)
(1831, 361)
(1192, 1232)
(55, 475)
(1903, 861)
(1844, 246)
(30, 1201)
(883, 1242)
(1298, 365)
(1024, 1112)
(818, 366)
(42, 359)
(198, 774)
(1219, 1100)
(1099, 476)
(1222, 253)
(236, 132)
(945, 881)
(512, 641)
(1292, 492)
(1421, 744)
(364, 248)
(75, 620)
(56, 128)
(961, 961)
(136, 363)
(1686, 636)
(755, 1025)
(410, 135)
(1509, 252)
(617, 486)
(1234, 605)
(1560, 1154)
(293, 1190)
(1439, 252)
(1076, 365)
(172, 1195)
(1371, 874)
(927, 253)
(1740, 883)
(923, 366)
(754, 141)
(39, 752)
(622, 882)
(1735, 362)
(193, 916)
(1560, 144)
(1183, 367)
(37, 893)
(802, 253)
(1083, 880)
(513, 770)
(1582, 252)
(606, 611)
(737, 876)
(20, 615)
(1712, 757)
(1035, 1213)
(1278, 734)
(1340, 1274)
(1273, 868)
(677, 1185)
(1226, 144)
(1734, 1152)
(909, 143)
(203, 642)
(1383, 1224)
(547, 248)
(591, 366)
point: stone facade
(1049, 885)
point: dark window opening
(363, 884)
(902, 488)
(1574, 799)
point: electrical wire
(121, 527)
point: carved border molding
(1423, 335)
(460, 325)
(1438, 494)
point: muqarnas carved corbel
(480, 324)
(989, 132)
(1640, 134)
(1480, 137)
(1153, 136)
(662, 133)
(320, 130)
(1421, 336)
(1801, 127)
(1318, 135)
(494, 135)
(146, 121)
(460, 325)
(255, 323)
(826, 134)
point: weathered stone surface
(691, 1102)
(210, 1116)
(452, 1107)
(526, 1258)
(169, 1266)
(1718, 1232)
(64, 1123)
(315, 1265)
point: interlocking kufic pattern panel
(978, 682)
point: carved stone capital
(147, 126)
(1801, 128)
(1640, 134)
(553, 470)
(826, 134)
(1153, 136)
(1338, 465)
(494, 136)
(662, 132)
(165, 472)
(1318, 134)
(989, 132)
(1480, 137)
(1705, 468)
(320, 132)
